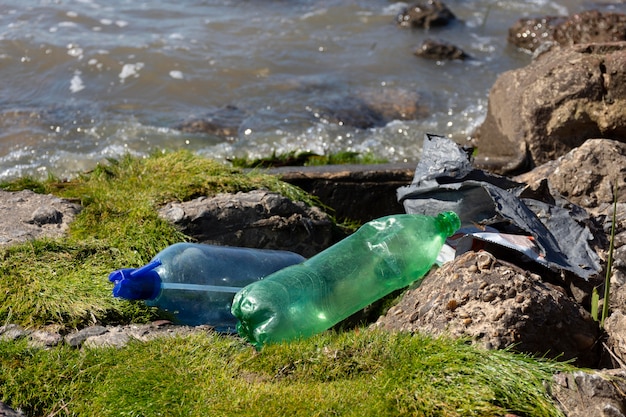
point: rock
(12, 332)
(615, 326)
(440, 50)
(531, 33)
(497, 305)
(591, 394)
(557, 102)
(26, 215)
(425, 14)
(586, 174)
(590, 26)
(370, 108)
(354, 192)
(76, 339)
(223, 122)
(6, 411)
(256, 219)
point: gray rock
(12, 332)
(6, 411)
(542, 111)
(591, 394)
(497, 305)
(26, 215)
(76, 339)
(256, 219)
(45, 339)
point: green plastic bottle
(307, 298)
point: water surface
(86, 80)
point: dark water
(90, 79)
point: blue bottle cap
(137, 283)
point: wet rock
(256, 219)
(26, 215)
(425, 14)
(497, 305)
(557, 102)
(370, 108)
(223, 122)
(590, 26)
(531, 33)
(440, 50)
(590, 394)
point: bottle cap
(137, 283)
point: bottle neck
(448, 222)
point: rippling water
(89, 79)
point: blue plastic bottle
(197, 282)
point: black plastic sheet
(446, 180)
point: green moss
(356, 373)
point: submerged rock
(440, 50)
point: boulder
(564, 97)
(256, 219)
(590, 26)
(497, 305)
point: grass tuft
(356, 373)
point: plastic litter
(196, 283)
(384, 255)
(498, 211)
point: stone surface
(425, 14)
(257, 219)
(590, 26)
(354, 192)
(497, 305)
(25, 215)
(6, 411)
(440, 50)
(564, 97)
(586, 175)
(591, 394)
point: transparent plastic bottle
(382, 256)
(197, 282)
